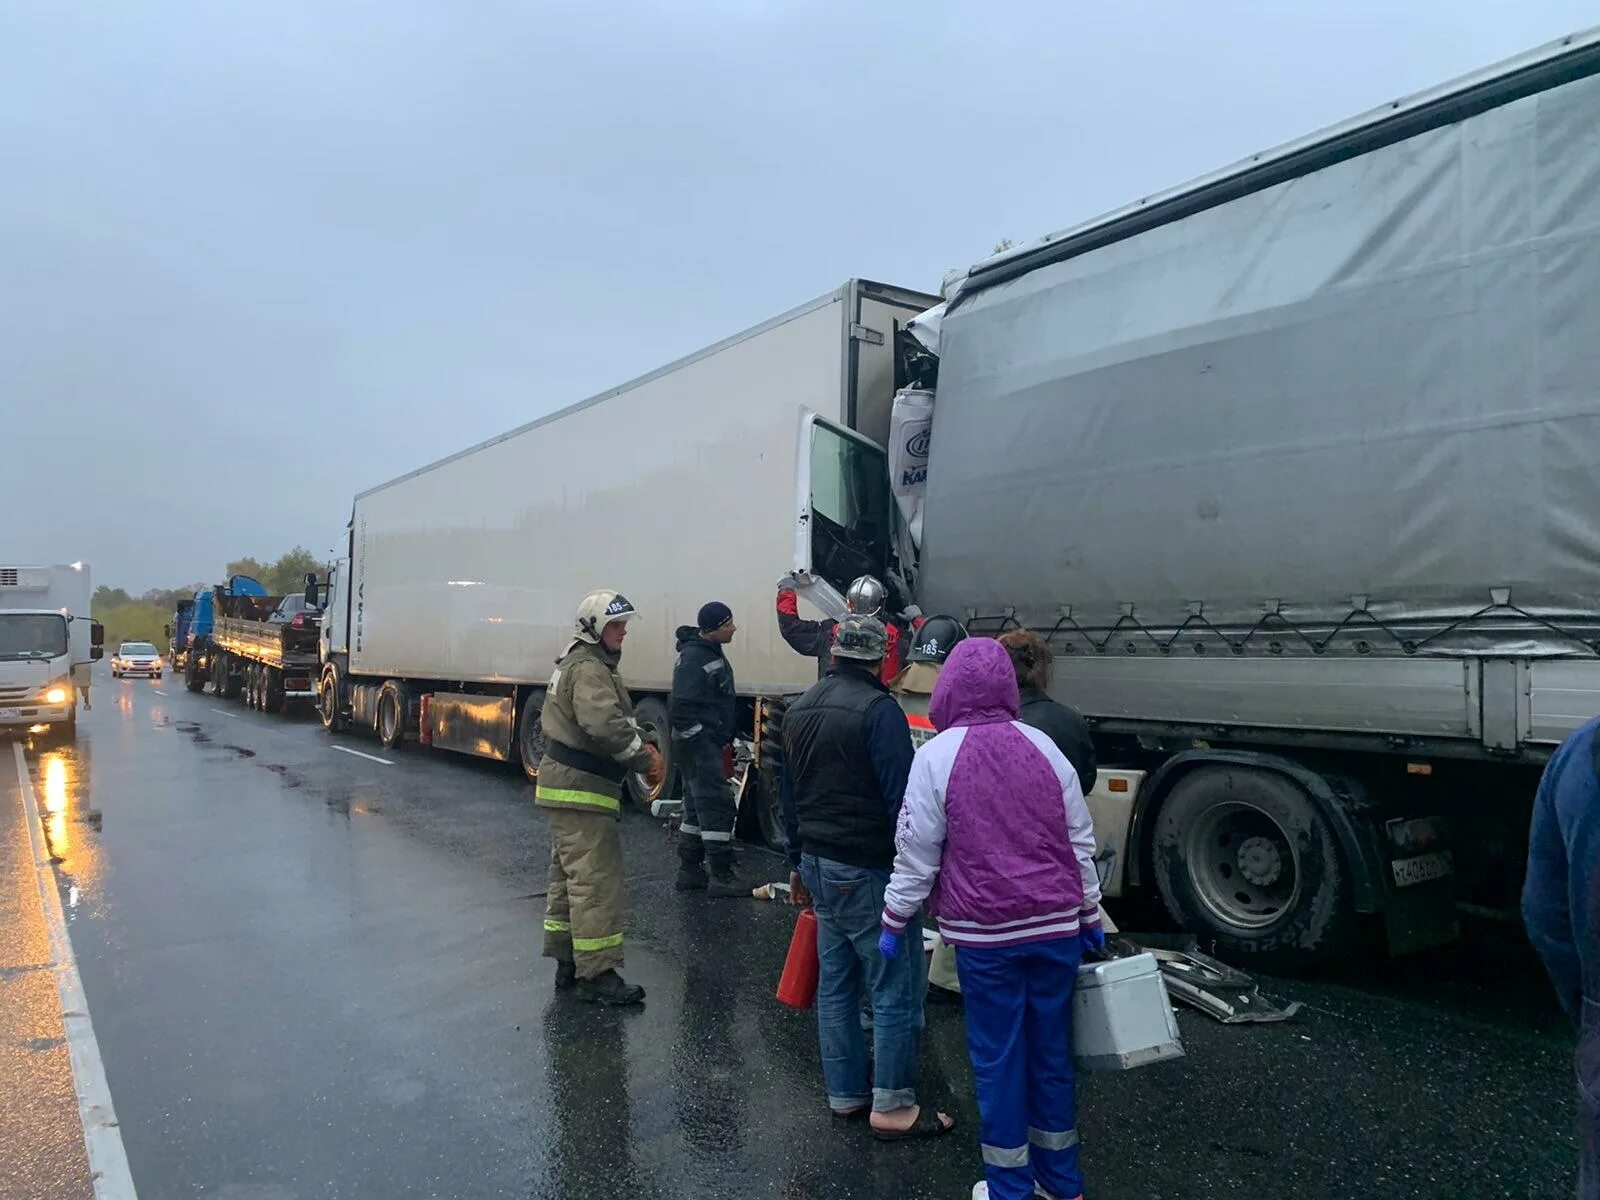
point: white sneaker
(980, 1190)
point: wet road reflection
(316, 975)
(587, 1074)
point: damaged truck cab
(1293, 467)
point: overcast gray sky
(255, 258)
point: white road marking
(226, 713)
(369, 757)
(158, 691)
(102, 1136)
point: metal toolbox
(1121, 1016)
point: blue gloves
(889, 943)
(1092, 937)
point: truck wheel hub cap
(1259, 861)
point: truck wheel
(272, 698)
(328, 701)
(1244, 859)
(193, 681)
(768, 812)
(64, 733)
(651, 715)
(391, 716)
(328, 706)
(530, 735)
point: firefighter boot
(691, 864)
(724, 884)
(608, 988)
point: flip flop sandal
(927, 1125)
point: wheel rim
(386, 719)
(532, 742)
(327, 700)
(1243, 865)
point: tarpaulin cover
(1380, 379)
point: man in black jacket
(703, 711)
(847, 752)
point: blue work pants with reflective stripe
(708, 809)
(1019, 1033)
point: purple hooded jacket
(994, 832)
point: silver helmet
(598, 610)
(866, 596)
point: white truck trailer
(460, 581)
(47, 645)
(1297, 469)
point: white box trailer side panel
(675, 490)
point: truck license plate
(10, 714)
(1423, 868)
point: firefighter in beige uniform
(591, 743)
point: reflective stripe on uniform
(574, 796)
(605, 943)
(633, 748)
(707, 835)
(1048, 1140)
(1003, 1156)
(551, 926)
(689, 830)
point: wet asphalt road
(316, 975)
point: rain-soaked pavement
(314, 974)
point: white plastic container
(1121, 1016)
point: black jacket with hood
(702, 706)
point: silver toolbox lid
(1116, 970)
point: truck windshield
(849, 505)
(32, 635)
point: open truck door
(844, 521)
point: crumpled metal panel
(1372, 389)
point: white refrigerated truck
(47, 645)
(460, 580)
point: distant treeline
(144, 618)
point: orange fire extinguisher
(798, 985)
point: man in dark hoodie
(703, 711)
(1561, 907)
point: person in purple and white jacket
(994, 834)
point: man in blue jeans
(847, 752)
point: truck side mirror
(311, 591)
(97, 641)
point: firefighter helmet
(938, 636)
(866, 596)
(597, 611)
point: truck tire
(769, 814)
(329, 707)
(1244, 860)
(64, 733)
(193, 681)
(391, 716)
(272, 698)
(651, 715)
(530, 735)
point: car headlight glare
(56, 695)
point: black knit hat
(714, 616)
